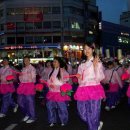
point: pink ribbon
(71, 76)
(16, 72)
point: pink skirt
(26, 89)
(128, 92)
(89, 93)
(57, 97)
(113, 88)
(6, 88)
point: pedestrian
(26, 91)
(6, 88)
(90, 92)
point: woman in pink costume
(55, 101)
(6, 88)
(90, 92)
(26, 91)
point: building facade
(115, 39)
(129, 5)
(39, 24)
(125, 16)
(125, 19)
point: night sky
(112, 9)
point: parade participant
(6, 88)
(26, 91)
(128, 81)
(55, 101)
(46, 71)
(39, 69)
(113, 80)
(44, 76)
(118, 67)
(90, 92)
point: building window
(38, 39)
(47, 10)
(29, 40)
(10, 11)
(124, 40)
(1, 27)
(75, 25)
(10, 40)
(47, 39)
(65, 24)
(29, 26)
(20, 25)
(126, 21)
(56, 24)
(1, 13)
(76, 11)
(38, 25)
(56, 39)
(67, 38)
(2, 41)
(19, 11)
(20, 40)
(56, 10)
(47, 25)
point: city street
(118, 119)
(57, 46)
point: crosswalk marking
(11, 127)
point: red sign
(33, 17)
(10, 26)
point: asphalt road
(117, 119)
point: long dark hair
(92, 46)
(62, 65)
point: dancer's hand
(95, 61)
(51, 86)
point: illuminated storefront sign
(29, 47)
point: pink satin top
(4, 72)
(55, 82)
(28, 75)
(89, 75)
